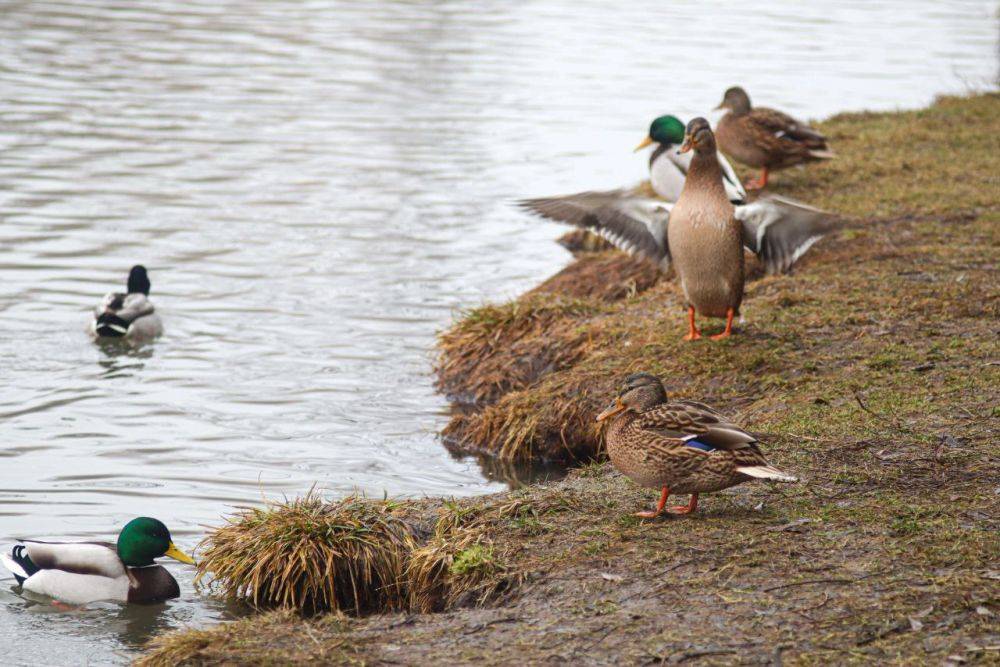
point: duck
(765, 138)
(77, 573)
(702, 234)
(680, 446)
(668, 167)
(130, 314)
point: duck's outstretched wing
(633, 223)
(781, 230)
(96, 558)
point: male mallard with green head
(679, 446)
(81, 572)
(130, 314)
(702, 234)
(765, 138)
(668, 167)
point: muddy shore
(871, 372)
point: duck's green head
(666, 130)
(138, 280)
(144, 539)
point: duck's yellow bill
(645, 142)
(177, 554)
(612, 410)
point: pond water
(316, 189)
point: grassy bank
(872, 371)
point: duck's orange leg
(729, 326)
(758, 183)
(693, 333)
(659, 506)
(686, 509)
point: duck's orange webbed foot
(693, 333)
(686, 509)
(649, 514)
(729, 326)
(757, 183)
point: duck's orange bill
(687, 145)
(612, 410)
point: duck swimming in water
(130, 314)
(81, 572)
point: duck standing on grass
(766, 138)
(680, 446)
(128, 315)
(702, 234)
(77, 573)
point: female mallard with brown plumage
(766, 138)
(679, 446)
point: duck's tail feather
(19, 563)
(767, 472)
(109, 325)
(822, 154)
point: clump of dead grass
(468, 560)
(471, 370)
(602, 276)
(310, 555)
(551, 421)
(260, 640)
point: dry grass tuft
(261, 640)
(604, 276)
(467, 562)
(309, 555)
(471, 372)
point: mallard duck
(128, 315)
(765, 138)
(77, 573)
(702, 235)
(679, 446)
(668, 167)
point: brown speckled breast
(706, 244)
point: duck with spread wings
(703, 234)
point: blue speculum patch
(699, 445)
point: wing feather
(631, 222)
(782, 125)
(95, 558)
(781, 230)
